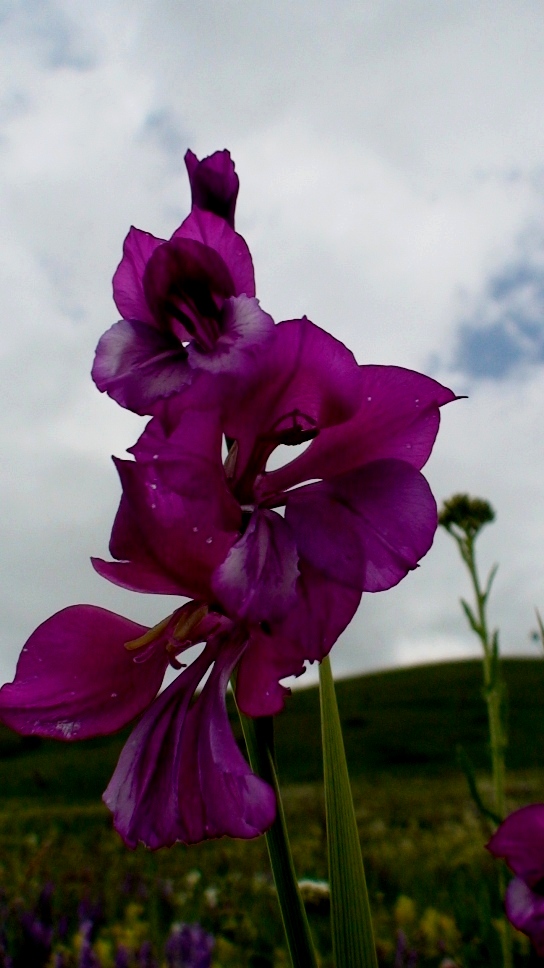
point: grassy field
(429, 876)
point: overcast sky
(391, 158)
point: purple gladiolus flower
(187, 304)
(273, 559)
(520, 841)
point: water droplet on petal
(209, 540)
(408, 446)
(195, 529)
(417, 401)
(153, 487)
(155, 456)
(369, 399)
(114, 695)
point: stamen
(191, 616)
(150, 636)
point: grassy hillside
(401, 721)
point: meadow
(66, 880)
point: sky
(391, 159)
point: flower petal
(520, 840)
(245, 333)
(214, 183)
(308, 381)
(181, 775)
(75, 679)
(396, 416)
(128, 290)
(177, 519)
(525, 910)
(214, 232)
(257, 579)
(137, 364)
(368, 528)
(308, 632)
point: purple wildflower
(87, 958)
(189, 946)
(122, 957)
(520, 841)
(274, 561)
(145, 957)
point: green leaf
(466, 765)
(351, 922)
(490, 580)
(471, 618)
(259, 737)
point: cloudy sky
(391, 158)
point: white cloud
(391, 158)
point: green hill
(400, 721)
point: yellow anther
(149, 636)
(189, 621)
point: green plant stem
(493, 686)
(259, 737)
(493, 692)
(351, 920)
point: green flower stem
(351, 921)
(493, 686)
(493, 692)
(259, 737)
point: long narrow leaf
(351, 922)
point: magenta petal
(181, 775)
(177, 518)
(75, 679)
(139, 576)
(525, 910)
(138, 364)
(214, 232)
(396, 416)
(367, 529)
(128, 290)
(308, 381)
(520, 840)
(322, 611)
(214, 183)
(246, 331)
(257, 579)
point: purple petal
(137, 364)
(75, 679)
(214, 183)
(520, 840)
(366, 529)
(308, 381)
(322, 611)
(257, 579)
(214, 232)
(181, 775)
(128, 290)
(525, 910)
(177, 518)
(185, 284)
(246, 331)
(396, 416)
